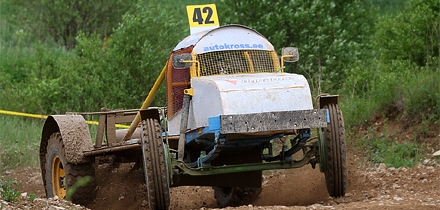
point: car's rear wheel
(67, 180)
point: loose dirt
(369, 187)
(304, 188)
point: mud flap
(75, 134)
(76, 138)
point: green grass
(392, 153)
(19, 142)
(402, 90)
(357, 111)
(405, 93)
(8, 190)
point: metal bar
(124, 118)
(100, 133)
(211, 170)
(111, 129)
(111, 149)
(173, 137)
(282, 61)
(303, 136)
(273, 121)
(183, 126)
(210, 156)
(129, 111)
(249, 60)
(180, 83)
(146, 103)
(194, 134)
(126, 112)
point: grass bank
(409, 97)
(19, 141)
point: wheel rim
(58, 178)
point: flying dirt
(368, 188)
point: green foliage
(412, 34)
(34, 73)
(11, 33)
(401, 79)
(115, 74)
(399, 89)
(62, 20)
(13, 64)
(140, 47)
(389, 7)
(358, 110)
(112, 60)
(32, 197)
(125, 69)
(422, 95)
(8, 190)
(331, 35)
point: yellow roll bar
(146, 103)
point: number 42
(202, 15)
(198, 17)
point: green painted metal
(182, 168)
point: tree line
(76, 55)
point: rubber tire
(73, 172)
(236, 196)
(336, 153)
(155, 165)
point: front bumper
(269, 121)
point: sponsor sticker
(225, 46)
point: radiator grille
(237, 62)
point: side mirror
(290, 54)
(182, 61)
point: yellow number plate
(202, 16)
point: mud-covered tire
(236, 196)
(155, 165)
(335, 153)
(67, 180)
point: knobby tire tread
(82, 195)
(155, 166)
(336, 174)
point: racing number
(202, 15)
(199, 18)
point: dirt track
(304, 188)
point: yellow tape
(23, 114)
(45, 116)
